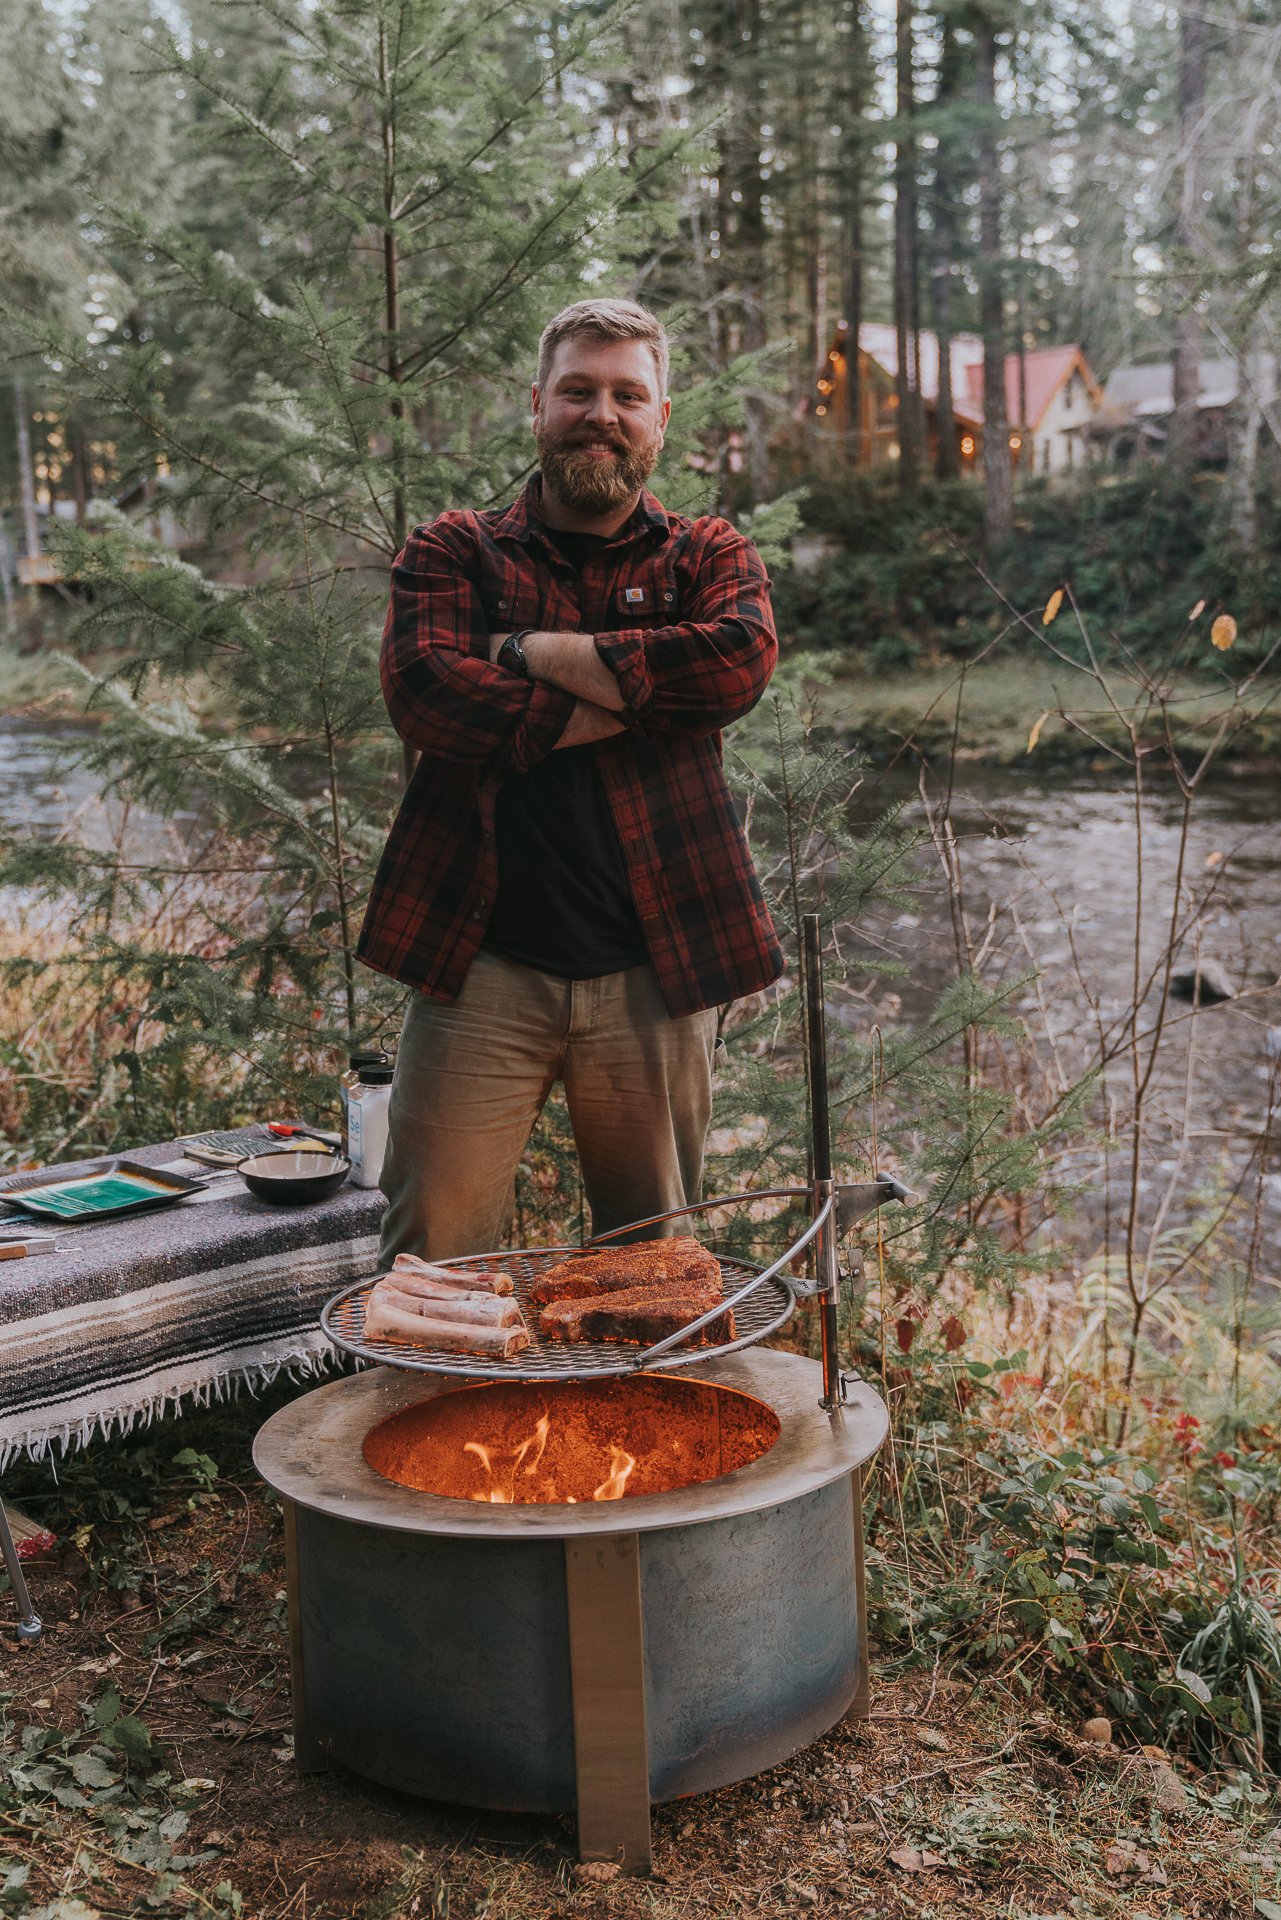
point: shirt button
(668, 596)
(502, 603)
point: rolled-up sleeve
(711, 667)
(443, 694)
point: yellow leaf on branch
(1035, 734)
(1052, 606)
(1223, 632)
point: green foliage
(1093, 1574)
(1140, 553)
(109, 1775)
(416, 192)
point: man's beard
(588, 484)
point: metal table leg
(28, 1618)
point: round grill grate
(764, 1309)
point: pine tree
(339, 345)
(416, 194)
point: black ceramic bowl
(291, 1176)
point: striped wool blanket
(135, 1316)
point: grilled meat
(677, 1263)
(408, 1266)
(639, 1314)
(386, 1321)
(484, 1309)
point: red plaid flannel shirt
(680, 611)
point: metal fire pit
(602, 1656)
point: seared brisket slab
(640, 1314)
(678, 1263)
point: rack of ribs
(638, 1293)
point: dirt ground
(160, 1780)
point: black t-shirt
(564, 904)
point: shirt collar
(523, 520)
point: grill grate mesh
(761, 1313)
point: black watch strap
(512, 655)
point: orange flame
(501, 1491)
(620, 1467)
(503, 1469)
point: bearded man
(567, 887)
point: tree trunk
(26, 471)
(391, 334)
(79, 469)
(947, 459)
(750, 250)
(906, 322)
(6, 580)
(854, 176)
(1185, 419)
(1243, 472)
(1027, 454)
(998, 496)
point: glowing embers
(570, 1441)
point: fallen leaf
(1223, 632)
(1197, 610)
(1052, 606)
(905, 1333)
(1268, 1908)
(588, 1872)
(953, 1333)
(1124, 1858)
(916, 1859)
(931, 1737)
(1035, 734)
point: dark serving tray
(101, 1193)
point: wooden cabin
(1050, 393)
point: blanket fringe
(222, 1385)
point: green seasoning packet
(98, 1194)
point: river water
(1049, 884)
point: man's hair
(606, 320)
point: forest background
(273, 281)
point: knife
(20, 1249)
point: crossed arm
(570, 661)
(446, 696)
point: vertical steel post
(821, 1137)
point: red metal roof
(1046, 370)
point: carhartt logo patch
(634, 596)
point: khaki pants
(472, 1078)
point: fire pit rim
(311, 1453)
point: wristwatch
(512, 655)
